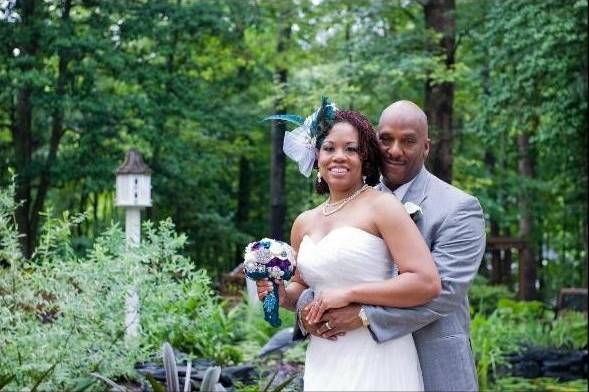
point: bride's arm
(418, 281)
(288, 295)
(295, 287)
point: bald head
(404, 115)
(403, 142)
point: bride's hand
(281, 291)
(327, 299)
(264, 286)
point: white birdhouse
(133, 182)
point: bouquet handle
(271, 305)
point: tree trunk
(496, 262)
(56, 128)
(527, 258)
(21, 130)
(586, 261)
(278, 164)
(243, 202)
(439, 96)
(21, 139)
(583, 215)
(27, 215)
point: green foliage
(514, 325)
(484, 298)
(188, 82)
(265, 386)
(528, 63)
(297, 353)
(569, 330)
(9, 248)
(209, 383)
(60, 318)
(63, 316)
(517, 384)
(252, 331)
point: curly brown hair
(367, 147)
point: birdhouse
(133, 182)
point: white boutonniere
(413, 210)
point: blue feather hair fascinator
(301, 144)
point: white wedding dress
(345, 257)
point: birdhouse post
(133, 193)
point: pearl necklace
(338, 205)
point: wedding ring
(328, 326)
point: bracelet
(362, 315)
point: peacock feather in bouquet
(269, 259)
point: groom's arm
(457, 251)
(305, 298)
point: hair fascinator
(301, 144)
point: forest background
(504, 84)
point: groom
(453, 226)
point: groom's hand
(341, 320)
(315, 329)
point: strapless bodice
(346, 256)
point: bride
(359, 246)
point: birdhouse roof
(133, 164)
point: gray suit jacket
(453, 227)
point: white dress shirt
(399, 192)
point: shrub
(517, 384)
(62, 316)
(252, 331)
(484, 298)
(517, 324)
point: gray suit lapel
(417, 192)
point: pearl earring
(364, 179)
(318, 177)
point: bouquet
(271, 259)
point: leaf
(187, 383)
(116, 387)
(283, 385)
(210, 378)
(5, 380)
(83, 385)
(172, 382)
(219, 387)
(270, 382)
(43, 376)
(155, 385)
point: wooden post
(133, 237)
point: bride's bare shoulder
(384, 202)
(302, 224)
(305, 217)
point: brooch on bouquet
(269, 259)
